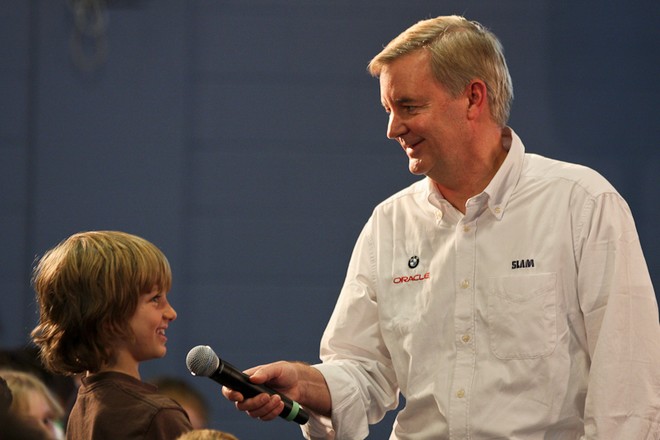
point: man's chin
(416, 167)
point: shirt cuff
(349, 417)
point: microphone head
(202, 361)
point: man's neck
(473, 178)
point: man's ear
(477, 94)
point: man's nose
(395, 127)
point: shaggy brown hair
(87, 289)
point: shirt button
(438, 215)
(460, 394)
(465, 284)
(497, 210)
(466, 338)
(466, 228)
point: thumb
(259, 374)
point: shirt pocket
(522, 316)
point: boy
(103, 310)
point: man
(505, 295)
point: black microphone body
(231, 377)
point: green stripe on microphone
(294, 411)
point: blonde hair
(206, 434)
(21, 384)
(87, 288)
(461, 51)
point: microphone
(202, 361)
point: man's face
(424, 118)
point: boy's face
(148, 324)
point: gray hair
(461, 51)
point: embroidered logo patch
(413, 262)
(408, 279)
(522, 264)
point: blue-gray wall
(246, 140)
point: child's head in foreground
(33, 402)
(102, 302)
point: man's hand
(296, 380)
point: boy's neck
(124, 363)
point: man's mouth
(410, 146)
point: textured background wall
(246, 139)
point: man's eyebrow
(400, 101)
(404, 100)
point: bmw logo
(413, 262)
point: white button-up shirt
(532, 316)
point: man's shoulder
(572, 175)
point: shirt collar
(501, 187)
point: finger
(254, 404)
(250, 371)
(270, 409)
(274, 413)
(232, 395)
(260, 374)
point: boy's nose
(170, 313)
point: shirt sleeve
(356, 363)
(347, 414)
(621, 320)
(168, 423)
